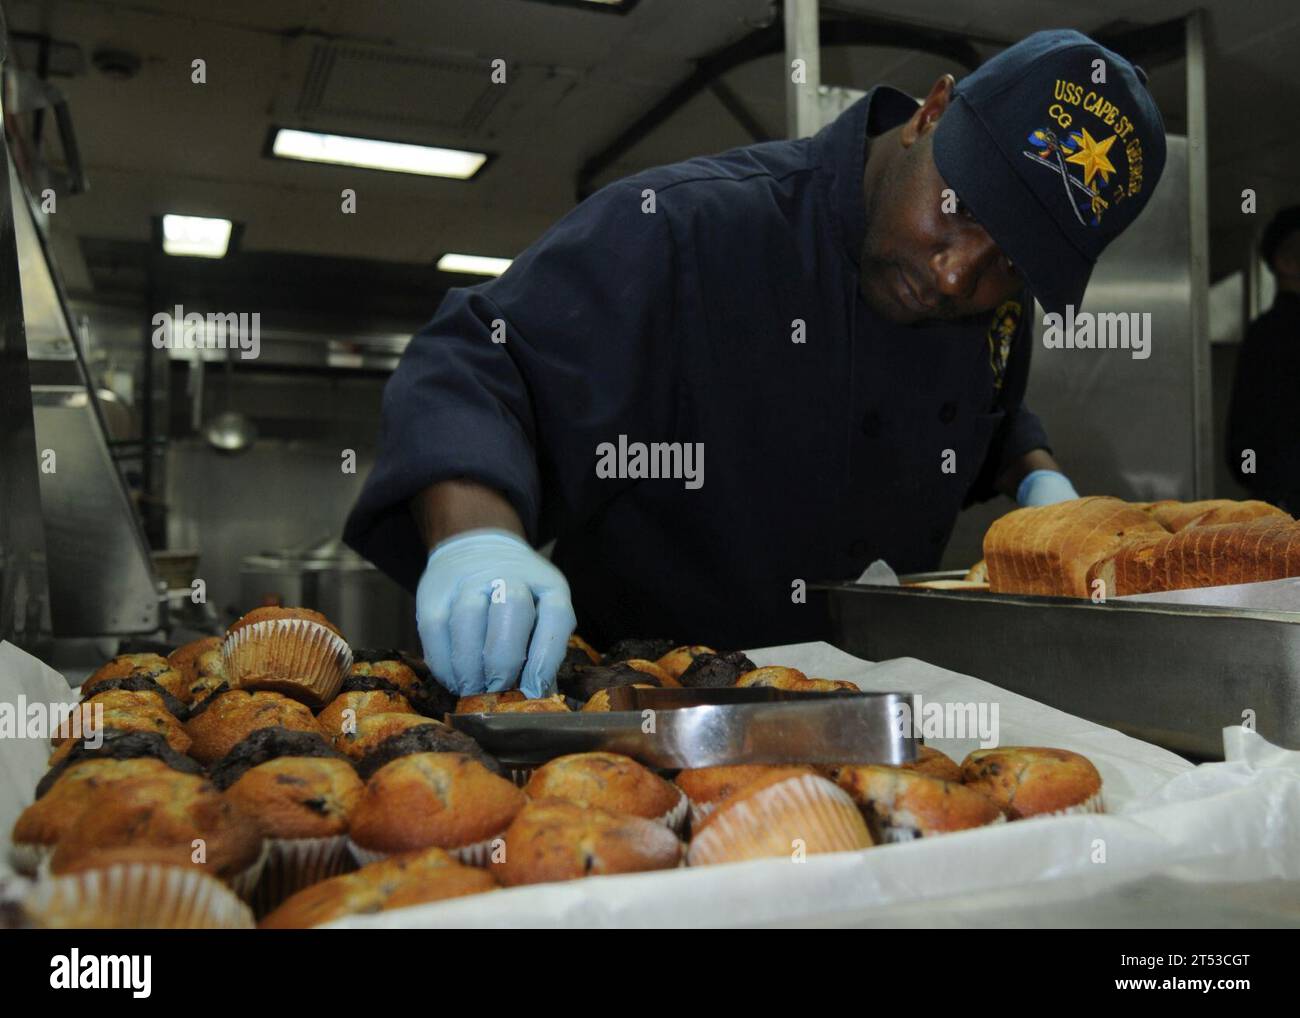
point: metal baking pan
(862, 727)
(1171, 674)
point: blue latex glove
(1044, 487)
(481, 592)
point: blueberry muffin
(222, 721)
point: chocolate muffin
(587, 651)
(413, 878)
(223, 721)
(583, 683)
(431, 737)
(433, 800)
(552, 839)
(646, 650)
(268, 744)
(715, 671)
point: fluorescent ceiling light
(476, 264)
(195, 236)
(367, 153)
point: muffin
(544, 705)
(149, 666)
(485, 703)
(433, 800)
(303, 801)
(46, 822)
(773, 677)
(373, 730)
(138, 718)
(135, 896)
(644, 650)
(140, 684)
(551, 839)
(787, 814)
(715, 671)
(169, 819)
(185, 659)
(223, 721)
(705, 787)
(900, 805)
(577, 643)
(119, 745)
(348, 708)
(827, 686)
(679, 659)
(1029, 781)
(935, 764)
(430, 737)
(583, 683)
(652, 671)
(409, 675)
(209, 676)
(294, 651)
(609, 781)
(413, 878)
(600, 699)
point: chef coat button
(948, 412)
(871, 424)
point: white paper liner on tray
(28, 858)
(295, 863)
(279, 653)
(137, 896)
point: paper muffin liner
(479, 853)
(137, 896)
(295, 863)
(1093, 804)
(520, 775)
(811, 809)
(29, 857)
(675, 818)
(700, 810)
(287, 655)
(244, 883)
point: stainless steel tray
(1175, 675)
(865, 728)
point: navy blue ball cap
(1052, 162)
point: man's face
(921, 263)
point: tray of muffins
(275, 777)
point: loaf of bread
(1175, 516)
(1049, 549)
(1266, 548)
(1107, 546)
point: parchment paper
(1215, 825)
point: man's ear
(929, 112)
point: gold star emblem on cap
(1092, 157)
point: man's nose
(958, 267)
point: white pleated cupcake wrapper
(829, 821)
(700, 810)
(29, 858)
(477, 854)
(295, 863)
(244, 883)
(520, 775)
(1093, 804)
(294, 651)
(675, 818)
(140, 896)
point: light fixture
(195, 236)
(372, 154)
(477, 265)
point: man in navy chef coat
(825, 341)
